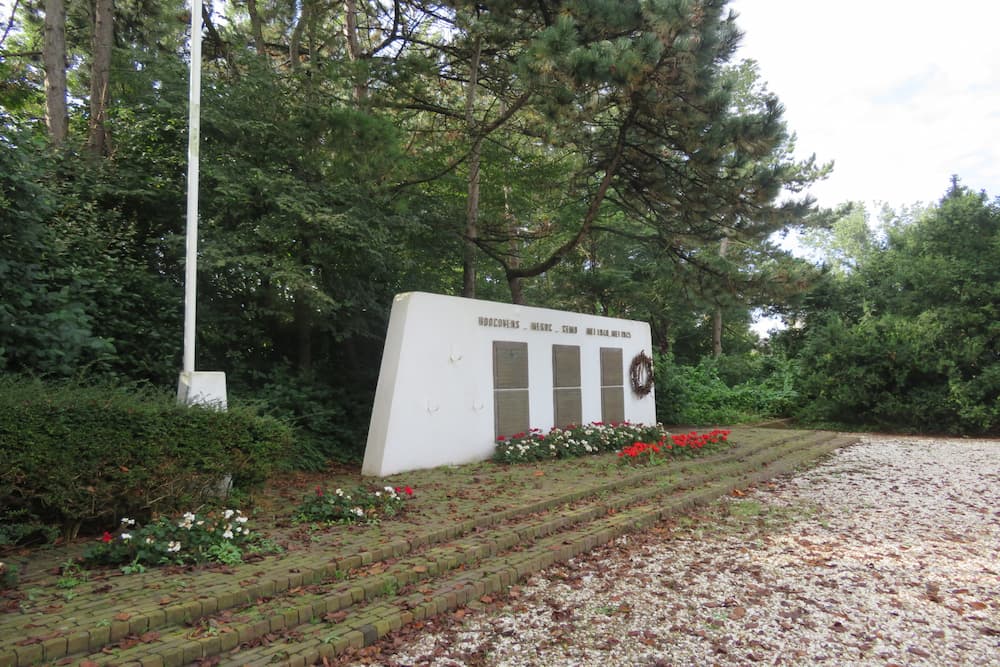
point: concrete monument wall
(456, 373)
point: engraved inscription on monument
(612, 385)
(510, 388)
(567, 397)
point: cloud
(899, 98)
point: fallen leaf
(737, 613)
(335, 616)
(123, 616)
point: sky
(899, 95)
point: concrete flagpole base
(206, 388)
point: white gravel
(887, 553)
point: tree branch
(10, 23)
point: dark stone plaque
(612, 404)
(511, 409)
(566, 366)
(612, 373)
(568, 406)
(510, 365)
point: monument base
(202, 388)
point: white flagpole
(194, 137)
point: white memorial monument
(457, 373)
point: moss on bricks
(276, 623)
(99, 638)
(152, 661)
(349, 563)
(138, 625)
(355, 639)
(228, 641)
(54, 648)
(173, 656)
(78, 642)
(209, 605)
(192, 652)
(118, 630)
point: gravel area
(887, 553)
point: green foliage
(724, 390)
(46, 304)
(8, 576)
(221, 536)
(361, 505)
(77, 454)
(19, 527)
(907, 339)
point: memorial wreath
(640, 373)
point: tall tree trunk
(717, 317)
(256, 28)
(516, 284)
(54, 58)
(295, 41)
(100, 76)
(303, 333)
(354, 52)
(472, 203)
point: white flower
(389, 489)
(200, 523)
(228, 514)
(339, 492)
(228, 535)
(127, 521)
(174, 547)
(149, 540)
(358, 511)
(189, 516)
(126, 536)
(241, 519)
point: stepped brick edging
(454, 564)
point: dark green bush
(74, 454)
(725, 390)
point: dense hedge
(74, 454)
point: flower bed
(676, 445)
(572, 441)
(220, 537)
(358, 506)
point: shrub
(75, 454)
(757, 388)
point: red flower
(408, 491)
(106, 537)
(500, 438)
(319, 491)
